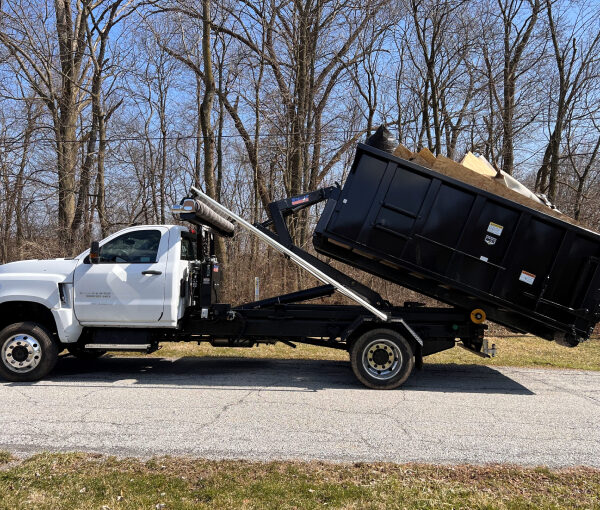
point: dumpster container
(464, 246)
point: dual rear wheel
(382, 359)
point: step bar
(119, 347)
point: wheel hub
(382, 359)
(21, 353)
(381, 356)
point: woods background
(111, 109)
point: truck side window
(188, 248)
(137, 247)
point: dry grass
(5, 458)
(83, 481)
(529, 351)
(520, 351)
(276, 351)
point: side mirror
(95, 252)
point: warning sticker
(527, 277)
(494, 228)
(491, 240)
(485, 259)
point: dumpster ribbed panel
(464, 246)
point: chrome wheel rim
(382, 359)
(21, 353)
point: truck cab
(135, 278)
(141, 277)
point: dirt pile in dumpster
(462, 173)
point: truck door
(128, 284)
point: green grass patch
(518, 351)
(5, 458)
(83, 481)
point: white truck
(46, 304)
(157, 283)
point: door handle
(152, 272)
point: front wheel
(27, 352)
(382, 359)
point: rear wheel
(27, 352)
(382, 359)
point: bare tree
(430, 21)
(584, 169)
(578, 69)
(518, 21)
(13, 177)
(26, 34)
(62, 81)
(304, 68)
(104, 124)
(97, 36)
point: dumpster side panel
(362, 187)
(408, 224)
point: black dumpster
(464, 246)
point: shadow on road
(452, 378)
(273, 374)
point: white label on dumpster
(491, 240)
(527, 277)
(494, 228)
(485, 259)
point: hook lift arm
(320, 275)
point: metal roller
(196, 211)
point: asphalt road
(272, 409)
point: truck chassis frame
(289, 319)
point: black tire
(382, 359)
(27, 352)
(84, 354)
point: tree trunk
(508, 114)
(205, 120)
(71, 43)
(199, 139)
(513, 54)
(101, 198)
